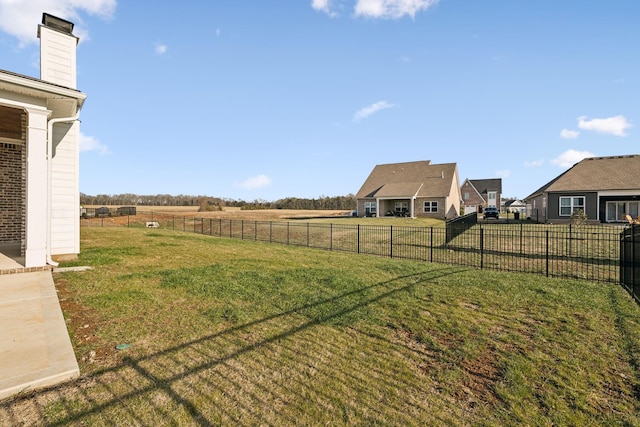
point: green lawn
(232, 332)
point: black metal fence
(586, 252)
(459, 225)
(630, 260)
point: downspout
(50, 177)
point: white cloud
(506, 173)
(89, 143)
(218, 32)
(571, 157)
(376, 9)
(323, 6)
(20, 18)
(391, 9)
(616, 125)
(371, 109)
(569, 134)
(254, 183)
(160, 48)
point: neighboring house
(39, 135)
(477, 194)
(514, 205)
(412, 189)
(605, 188)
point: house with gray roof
(606, 189)
(477, 194)
(411, 189)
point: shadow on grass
(630, 346)
(172, 382)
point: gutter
(50, 177)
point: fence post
(358, 238)
(287, 232)
(128, 216)
(622, 257)
(520, 238)
(242, 229)
(307, 234)
(330, 236)
(481, 248)
(270, 231)
(633, 260)
(431, 246)
(391, 241)
(570, 243)
(547, 250)
(255, 231)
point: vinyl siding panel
(65, 204)
(58, 57)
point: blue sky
(271, 99)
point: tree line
(208, 203)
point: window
(402, 206)
(617, 211)
(430, 207)
(466, 196)
(492, 196)
(569, 205)
(370, 207)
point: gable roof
(419, 179)
(483, 186)
(514, 202)
(597, 174)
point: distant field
(236, 213)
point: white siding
(57, 57)
(65, 203)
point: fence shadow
(170, 381)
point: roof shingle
(421, 179)
(598, 174)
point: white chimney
(57, 51)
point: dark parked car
(491, 212)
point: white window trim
(571, 205)
(431, 205)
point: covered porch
(397, 207)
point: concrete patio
(35, 348)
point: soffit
(57, 97)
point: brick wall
(474, 199)
(13, 186)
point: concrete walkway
(35, 349)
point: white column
(36, 220)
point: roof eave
(37, 87)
